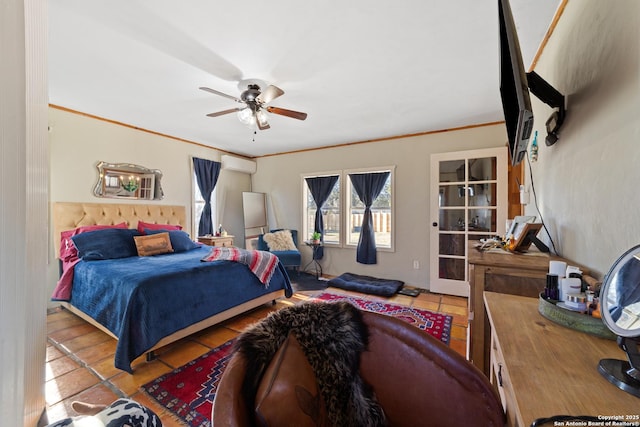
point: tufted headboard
(69, 215)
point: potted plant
(315, 238)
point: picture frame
(524, 235)
(518, 221)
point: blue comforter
(143, 299)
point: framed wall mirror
(128, 181)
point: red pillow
(151, 226)
(68, 249)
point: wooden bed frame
(70, 215)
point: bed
(147, 302)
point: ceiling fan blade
(289, 113)
(269, 94)
(215, 92)
(223, 112)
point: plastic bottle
(534, 147)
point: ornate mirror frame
(128, 181)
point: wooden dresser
(542, 369)
(505, 272)
(226, 241)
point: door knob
(435, 224)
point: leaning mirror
(128, 181)
(620, 308)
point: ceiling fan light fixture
(246, 116)
(261, 118)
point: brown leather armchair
(417, 380)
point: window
(336, 218)
(381, 212)
(198, 205)
(330, 212)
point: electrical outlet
(416, 264)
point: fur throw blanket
(332, 336)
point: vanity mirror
(620, 308)
(128, 181)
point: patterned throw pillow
(280, 241)
(180, 240)
(153, 244)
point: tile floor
(79, 363)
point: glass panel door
(469, 202)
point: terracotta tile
(216, 337)
(53, 353)
(263, 311)
(185, 352)
(98, 352)
(63, 323)
(105, 368)
(459, 347)
(239, 323)
(426, 305)
(459, 332)
(143, 373)
(59, 367)
(453, 309)
(428, 296)
(97, 395)
(90, 339)
(453, 300)
(68, 385)
(72, 332)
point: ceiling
(361, 70)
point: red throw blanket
(261, 263)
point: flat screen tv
(514, 88)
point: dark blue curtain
(320, 188)
(368, 187)
(207, 172)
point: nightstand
(226, 241)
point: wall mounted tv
(515, 83)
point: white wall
(587, 183)
(79, 142)
(280, 177)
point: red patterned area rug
(188, 391)
(437, 325)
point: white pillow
(280, 241)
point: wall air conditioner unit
(238, 164)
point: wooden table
(547, 369)
(505, 272)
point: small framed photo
(524, 235)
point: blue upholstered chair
(290, 259)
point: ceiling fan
(255, 106)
